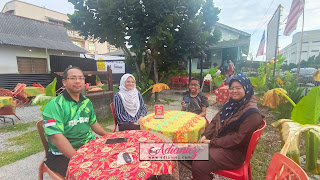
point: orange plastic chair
(114, 117)
(43, 167)
(282, 167)
(244, 172)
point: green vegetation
(17, 127)
(30, 142)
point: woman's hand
(139, 120)
(203, 139)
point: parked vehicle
(306, 75)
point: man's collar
(67, 96)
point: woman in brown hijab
(230, 131)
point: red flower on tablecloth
(82, 150)
(125, 168)
(106, 149)
(113, 164)
(141, 174)
(130, 149)
(88, 156)
(144, 164)
(113, 178)
(95, 173)
(86, 164)
(103, 159)
(78, 173)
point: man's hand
(96, 127)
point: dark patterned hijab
(232, 106)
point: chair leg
(40, 173)
(16, 116)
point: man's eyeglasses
(76, 78)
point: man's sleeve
(93, 118)
(52, 119)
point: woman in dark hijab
(230, 131)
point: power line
(258, 27)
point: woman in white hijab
(128, 104)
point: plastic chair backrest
(5, 92)
(114, 117)
(19, 89)
(43, 139)
(254, 141)
(282, 167)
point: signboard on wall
(116, 63)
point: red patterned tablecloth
(97, 160)
(222, 94)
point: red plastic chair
(37, 85)
(207, 121)
(43, 167)
(17, 94)
(244, 172)
(282, 167)
(114, 117)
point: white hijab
(130, 98)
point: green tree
(160, 33)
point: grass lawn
(31, 145)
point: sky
(251, 16)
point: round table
(179, 126)
(97, 160)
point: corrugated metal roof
(20, 31)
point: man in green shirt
(68, 121)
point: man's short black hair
(194, 78)
(65, 72)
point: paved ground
(27, 169)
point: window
(92, 47)
(28, 65)
(304, 51)
(315, 51)
(315, 41)
(305, 42)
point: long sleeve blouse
(122, 115)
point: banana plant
(43, 99)
(304, 119)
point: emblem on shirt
(87, 110)
(81, 120)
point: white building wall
(9, 54)
(310, 46)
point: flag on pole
(294, 14)
(261, 46)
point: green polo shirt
(73, 119)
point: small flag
(294, 14)
(261, 46)
(49, 122)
